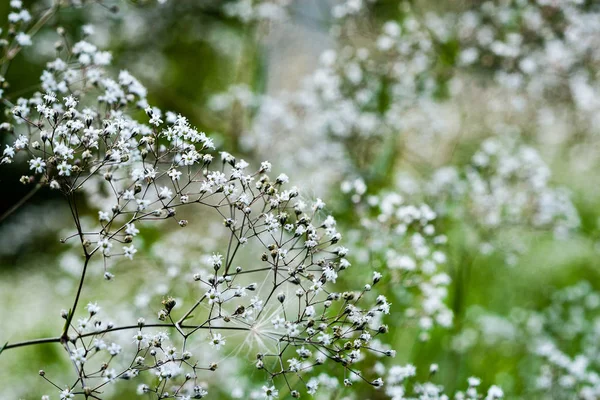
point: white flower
(303, 352)
(292, 330)
(64, 169)
(155, 120)
(473, 381)
(142, 204)
(110, 375)
(270, 392)
(21, 143)
(113, 349)
(295, 364)
(282, 178)
(169, 370)
(324, 338)
(70, 101)
(79, 355)
(23, 39)
(377, 383)
(398, 373)
(165, 193)
(265, 166)
(271, 222)
(174, 174)
(103, 216)
(216, 260)
(98, 344)
(213, 296)
(278, 322)
(128, 195)
(217, 341)
(130, 229)
(142, 389)
(199, 392)
(37, 164)
(330, 274)
(87, 29)
(494, 392)
(129, 251)
(93, 308)
(9, 151)
(318, 205)
(312, 386)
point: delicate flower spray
(82, 131)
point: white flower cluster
(358, 93)
(400, 386)
(19, 19)
(506, 184)
(342, 101)
(558, 345)
(403, 239)
(541, 46)
(565, 336)
(82, 134)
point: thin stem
(20, 203)
(32, 342)
(119, 328)
(71, 314)
(183, 318)
(88, 256)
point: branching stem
(119, 328)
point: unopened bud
(281, 297)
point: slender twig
(88, 256)
(70, 315)
(191, 310)
(20, 203)
(32, 342)
(119, 328)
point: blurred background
(392, 109)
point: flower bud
(169, 303)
